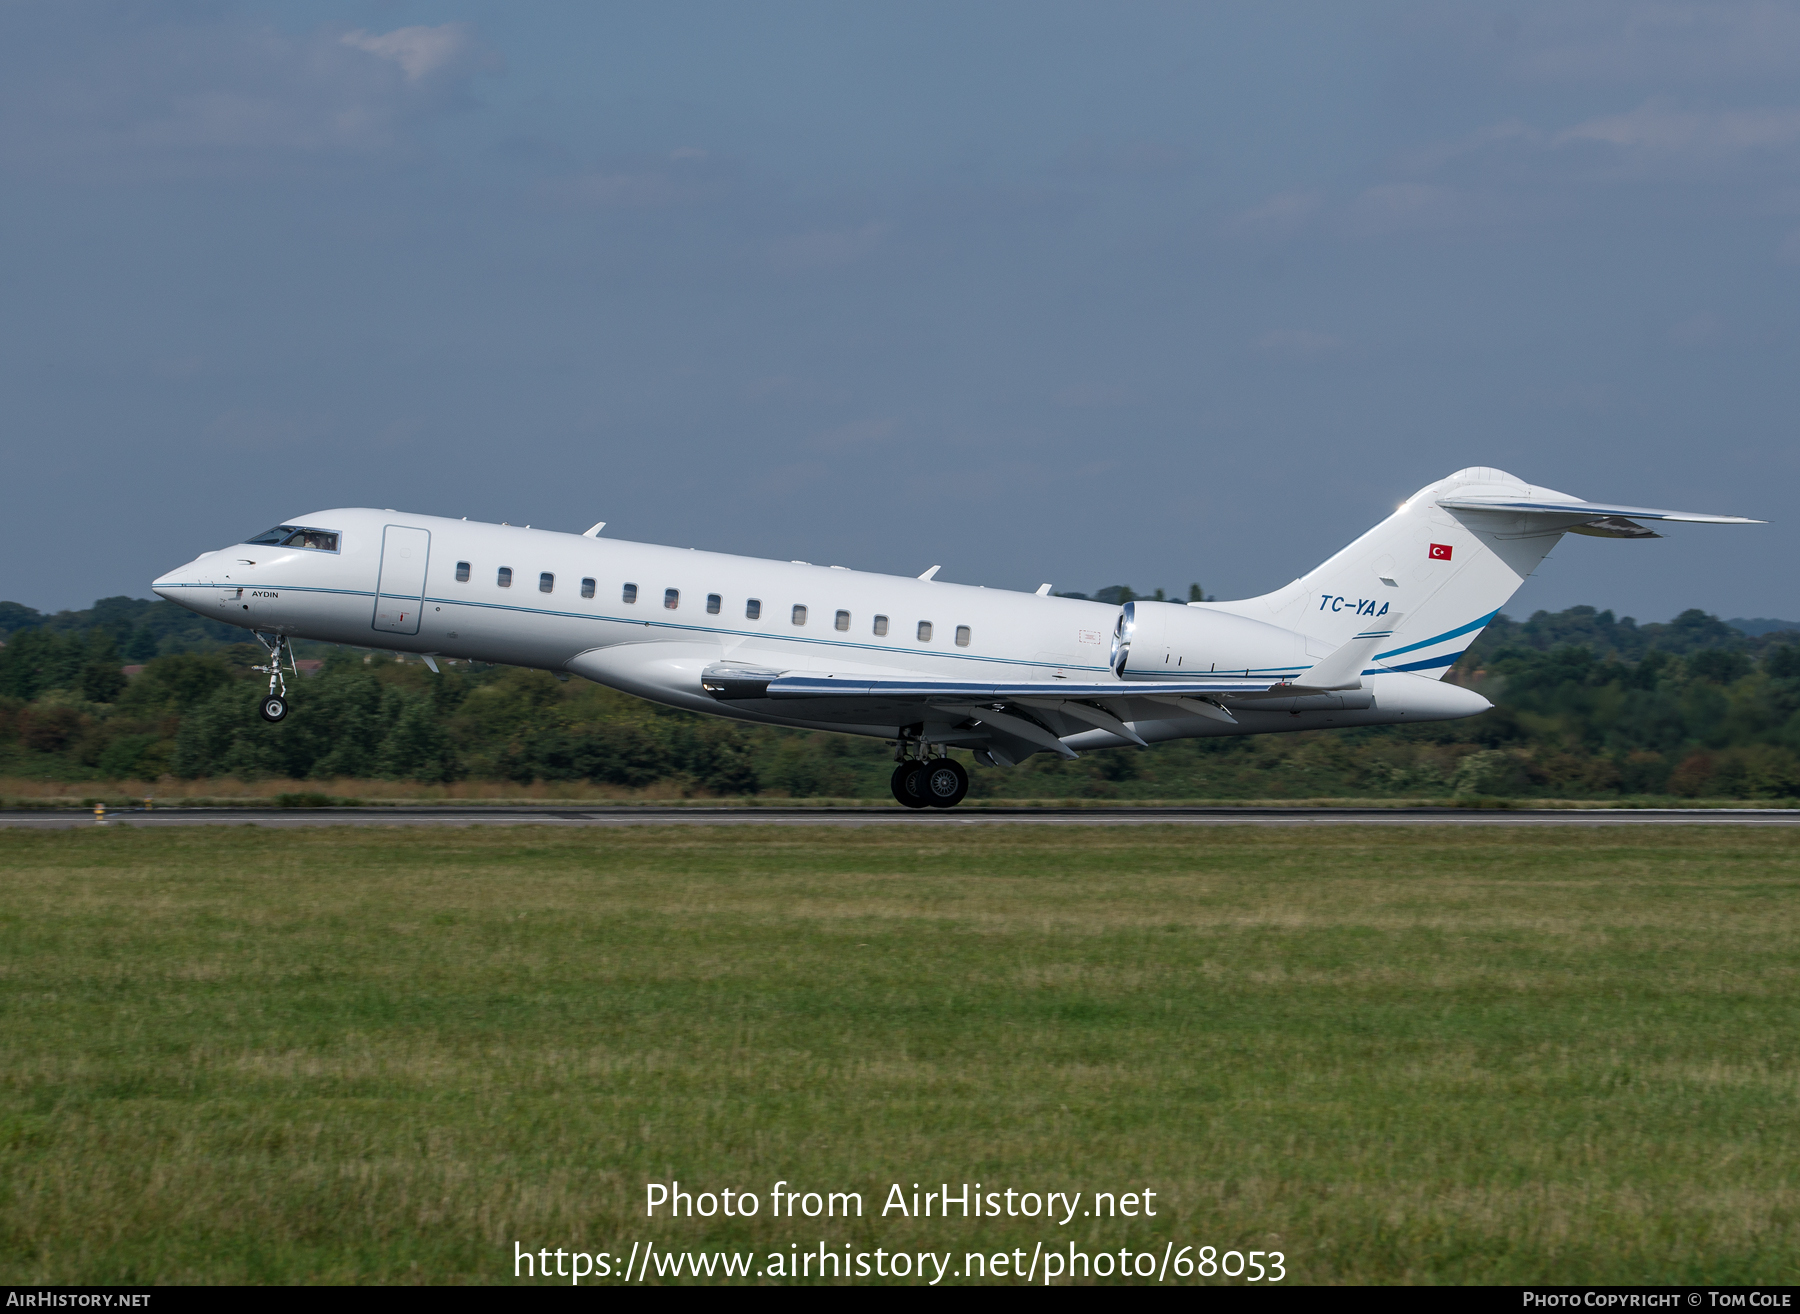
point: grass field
(1434, 1055)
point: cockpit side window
(318, 540)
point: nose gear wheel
(274, 705)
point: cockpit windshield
(319, 540)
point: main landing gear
(274, 705)
(935, 782)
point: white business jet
(1364, 639)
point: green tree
(177, 682)
(102, 681)
(418, 747)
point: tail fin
(1449, 569)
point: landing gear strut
(274, 705)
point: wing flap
(854, 686)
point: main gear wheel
(942, 782)
(906, 785)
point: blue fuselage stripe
(1436, 638)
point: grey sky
(1087, 294)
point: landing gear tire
(273, 708)
(906, 785)
(943, 782)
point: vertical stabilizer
(1447, 573)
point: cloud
(827, 248)
(1512, 132)
(1718, 42)
(419, 51)
(1282, 214)
(1404, 207)
(684, 176)
(165, 94)
(1703, 134)
(624, 190)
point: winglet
(1342, 668)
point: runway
(68, 819)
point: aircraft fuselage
(650, 619)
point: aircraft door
(400, 591)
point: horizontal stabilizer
(1595, 509)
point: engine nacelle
(1165, 640)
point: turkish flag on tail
(1440, 552)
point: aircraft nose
(168, 585)
(178, 585)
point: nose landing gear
(274, 705)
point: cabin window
(962, 636)
(671, 598)
(503, 577)
(924, 631)
(880, 626)
(546, 582)
(629, 594)
(799, 615)
(713, 603)
(843, 620)
(587, 588)
(753, 609)
(462, 572)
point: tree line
(1588, 705)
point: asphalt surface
(895, 816)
